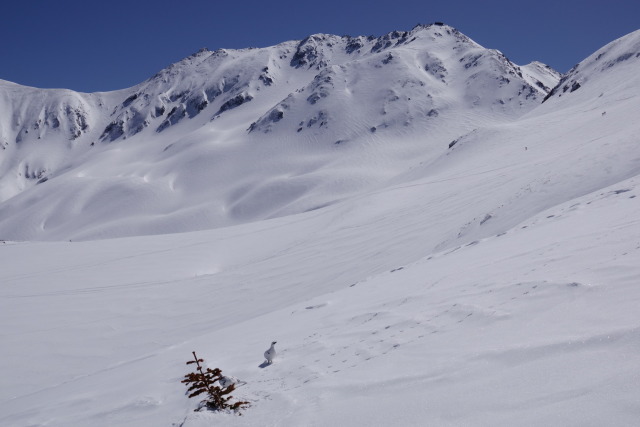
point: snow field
(407, 283)
(500, 329)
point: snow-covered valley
(445, 249)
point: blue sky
(97, 46)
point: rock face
(367, 96)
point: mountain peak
(338, 94)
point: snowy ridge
(623, 53)
(540, 75)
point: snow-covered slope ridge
(231, 136)
(621, 55)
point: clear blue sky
(97, 46)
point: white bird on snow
(271, 353)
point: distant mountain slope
(618, 57)
(231, 136)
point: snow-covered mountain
(226, 137)
(468, 256)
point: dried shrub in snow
(204, 381)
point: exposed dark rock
(321, 118)
(471, 60)
(542, 86)
(307, 53)
(113, 131)
(276, 116)
(435, 67)
(558, 86)
(195, 105)
(234, 102)
(353, 45)
(388, 40)
(265, 78)
(159, 111)
(175, 115)
(129, 100)
(619, 59)
(321, 87)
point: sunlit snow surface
(496, 282)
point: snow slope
(490, 282)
